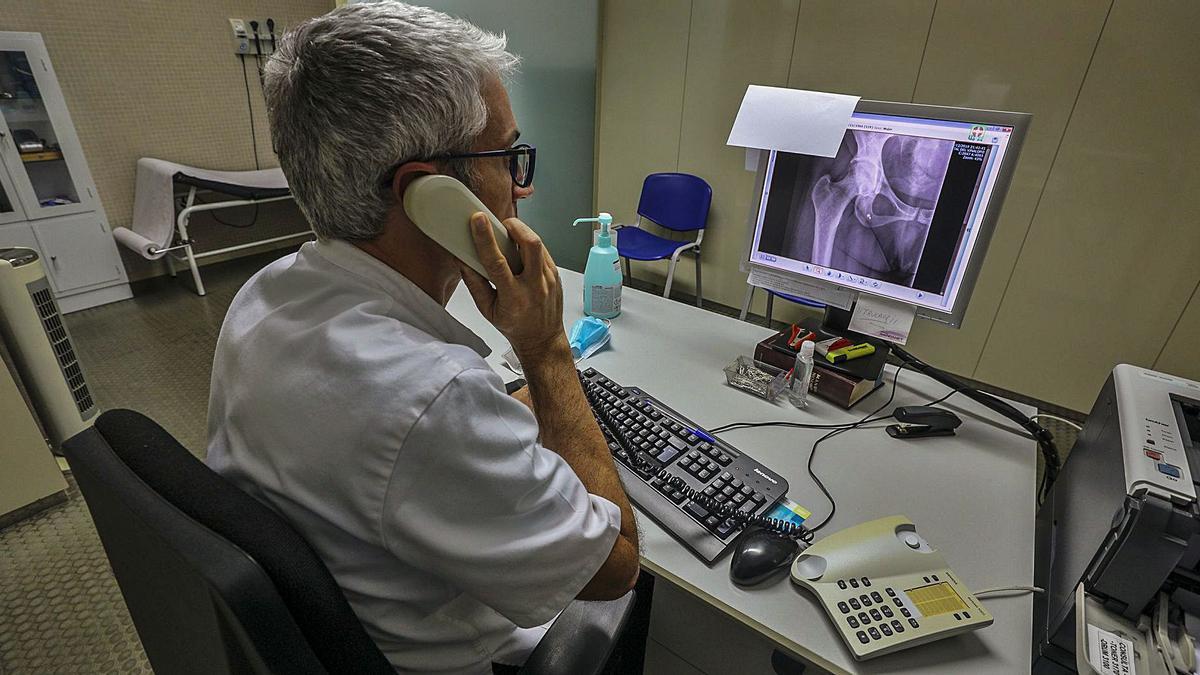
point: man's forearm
(568, 428)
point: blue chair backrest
(676, 201)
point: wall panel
(732, 45)
(1180, 355)
(1043, 77)
(643, 61)
(1110, 260)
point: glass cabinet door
(10, 210)
(39, 162)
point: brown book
(833, 385)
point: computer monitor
(903, 211)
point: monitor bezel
(987, 225)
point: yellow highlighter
(850, 353)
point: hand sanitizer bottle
(602, 274)
(801, 379)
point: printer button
(1170, 469)
(1154, 454)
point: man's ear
(408, 172)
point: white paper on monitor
(792, 120)
(837, 297)
(882, 318)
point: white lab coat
(355, 405)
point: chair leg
(628, 269)
(770, 306)
(746, 302)
(699, 296)
(670, 277)
(170, 264)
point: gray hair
(353, 93)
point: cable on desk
(1073, 425)
(1005, 590)
(812, 453)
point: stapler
(922, 421)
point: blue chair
(771, 295)
(676, 201)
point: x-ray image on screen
(868, 210)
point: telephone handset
(442, 207)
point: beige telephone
(886, 588)
(442, 207)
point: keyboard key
(875, 615)
(843, 608)
(667, 455)
(862, 637)
(957, 616)
(842, 584)
(726, 528)
(704, 474)
(696, 510)
(874, 633)
(855, 603)
(887, 611)
(852, 622)
(692, 439)
(866, 582)
(747, 490)
(679, 445)
(897, 626)
(866, 620)
(891, 592)
(853, 582)
(905, 612)
(738, 498)
(712, 522)
(897, 602)
(887, 630)
(724, 459)
(866, 600)
(876, 596)
(913, 623)
(966, 615)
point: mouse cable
(1040, 434)
(734, 426)
(812, 453)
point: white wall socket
(239, 27)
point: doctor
(457, 519)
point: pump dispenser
(602, 274)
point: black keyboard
(697, 487)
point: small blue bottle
(602, 275)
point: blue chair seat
(798, 300)
(636, 243)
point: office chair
(771, 295)
(217, 582)
(676, 201)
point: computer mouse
(760, 553)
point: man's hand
(526, 308)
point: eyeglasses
(520, 161)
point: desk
(971, 495)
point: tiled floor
(60, 608)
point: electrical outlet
(239, 28)
(241, 41)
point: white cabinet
(46, 189)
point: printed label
(606, 299)
(1109, 653)
(617, 265)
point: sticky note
(792, 120)
(882, 318)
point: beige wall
(160, 79)
(1093, 260)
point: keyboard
(697, 487)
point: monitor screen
(898, 212)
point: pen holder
(760, 379)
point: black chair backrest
(215, 580)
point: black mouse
(760, 553)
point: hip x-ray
(868, 210)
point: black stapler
(922, 421)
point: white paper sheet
(882, 318)
(837, 297)
(792, 120)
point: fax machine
(1118, 538)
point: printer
(1118, 537)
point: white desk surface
(971, 495)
